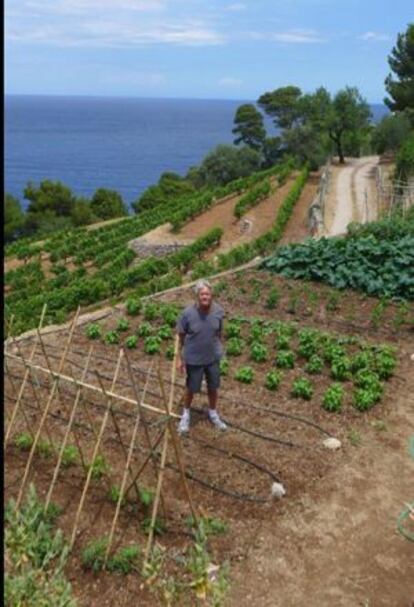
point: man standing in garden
(200, 331)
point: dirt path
(338, 545)
(351, 196)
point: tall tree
(282, 105)
(249, 127)
(350, 113)
(13, 217)
(51, 196)
(107, 204)
(401, 60)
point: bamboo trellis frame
(58, 379)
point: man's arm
(180, 362)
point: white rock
(412, 357)
(332, 443)
(278, 490)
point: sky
(204, 49)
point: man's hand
(180, 365)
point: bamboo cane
(125, 473)
(45, 412)
(23, 385)
(95, 451)
(67, 433)
(162, 464)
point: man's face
(204, 297)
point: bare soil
(331, 540)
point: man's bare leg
(212, 410)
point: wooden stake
(45, 412)
(95, 451)
(23, 385)
(177, 449)
(125, 473)
(146, 432)
(162, 463)
(26, 419)
(67, 433)
(93, 388)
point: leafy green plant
(150, 311)
(165, 332)
(365, 398)
(332, 301)
(169, 314)
(24, 441)
(354, 437)
(159, 526)
(211, 525)
(114, 495)
(93, 555)
(145, 329)
(332, 350)
(258, 352)
(131, 341)
(362, 360)
(333, 397)
(169, 352)
(385, 362)
(36, 555)
(44, 448)
(308, 342)
(133, 306)
(272, 299)
(315, 364)
(273, 379)
(124, 560)
(234, 346)
(111, 337)
(341, 368)
(152, 345)
(244, 375)
(224, 366)
(70, 456)
(282, 341)
(285, 359)
(146, 496)
(123, 324)
(232, 329)
(99, 467)
(93, 331)
(302, 388)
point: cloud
(374, 37)
(229, 81)
(236, 6)
(297, 36)
(104, 23)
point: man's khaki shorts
(195, 375)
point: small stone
(332, 443)
(278, 490)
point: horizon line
(172, 98)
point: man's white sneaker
(184, 425)
(216, 421)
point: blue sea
(118, 143)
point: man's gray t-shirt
(202, 344)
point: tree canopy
(226, 162)
(52, 196)
(400, 87)
(170, 186)
(107, 204)
(13, 218)
(249, 127)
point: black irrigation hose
(265, 437)
(232, 494)
(278, 441)
(223, 395)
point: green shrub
(123, 325)
(131, 341)
(24, 441)
(152, 345)
(93, 331)
(224, 366)
(244, 375)
(133, 306)
(111, 337)
(273, 379)
(315, 364)
(93, 555)
(124, 560)
(285, 359)
(145, 329)
(333, 397)
(234, 346)
(258, 352)
(70, 456)
(302, 388)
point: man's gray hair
(202, 284)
